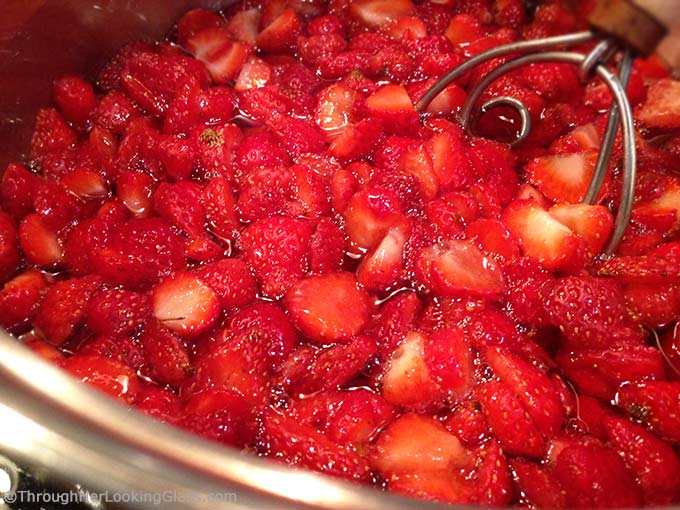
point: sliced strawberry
(20, 298)
(653, 462)
(114, 112)
(254, 74)
(165, 354)
(449, 360)
(51, 133)
(651, 268)
(276, 249)
(74, 97)
(104, 374)
(392, 104)
(463, 29)
(185, 304)
(468, 424)
(119, 348)
(395, 318)
(326, 247)
(661, 108)
(538, 486)
(370, 214)
(281, 34)
(9, 244)
(82, 244)
(38, 346)
(260, 149)
(654, 305)
(242, 26)
(218, 201)
(653, 404)
(381, 269)
(528, 287)
(449, 161)
(416, 443)
(357, 140)
(296, 136)
(594, 223)
(457, 267)
(39, 242)
(563, 178)
(64, 307)
(542, 237)
(222, 56)
(328, 308)
(134, 189)
(85, 183)
(18, 189)
(493, 238)
(117, 312)
(194, 21)
(158, 402)
(180, 204)
(231, 280)
(380, 13)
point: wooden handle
(641, 23)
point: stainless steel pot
(54, 424)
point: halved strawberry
(542, 237)
(380, 13)
(9, 244)
(20, 298)
(17, 190)
(180, 204)
(74, 97)
(117, 312)
(563, 177)
(382, 268)
(335, 107)
(85, 183)
(134, 189)
(222, 56)
(392, 104)
(654, 305)
(651, 268)
(109, 376)
(194, 21)
(218, 201)
(370, 214)
(458, 267)
(539, 487)
(468, 423)
(165, 354)
(328, 308)
(449, 161)
(661, 108)
(39, 242)
(408, 27)
(593, 223)
(493, 238)
(243, 25)
(51, 133)
(185, 304)
(463, 29)
(254, 74)
(327, 247)
(395, 318)
(119, 348)
(528, 287)
(654, 405)
(232, 282)
(281, 34)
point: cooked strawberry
(493, 238)
(254, 74)
(158, 402)
(231, 280)
(260, 149)
(539, 487)
(119, 348)
(51, 133)
(458, 267)
(528, 287)
(281, 34)
(449, 161)
(134, 189)
(593, 223)
(661, 108)
(39, 242)
(194, 21)
(276, 249)
(216, 150)
(104, 374)
(242, 26)
(543, 238)
(591, 311)
(185, 304)
(395, 318)
(114, 111)
(380, 13)
(222, 56)
(463, 29)
(563, 178)
(382, 268)
(301, 445)
(64, 307)
(117, 312)
(654, 405)
(449, 360)
(139, 252)
(20, 298)
(392, 104)
(165, 354)
(296, 136)
(82, 243)
(9, 244)
(438, 486)
(18, 189)
(370, 214)
(85, 183)
(654, 305)
(180, 204)
(328, 308)
(266, 192)
(509, 421)
(468, 424)
(651, 268)
(38, 346)
(74, 97)
(653, 462)
(218, 201)
(357, 140)
(599, 372)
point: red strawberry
(654, 305)
(265, 193)
(380, 13)
(56, 205)
(468, 424)
(590, 311)
(39, 242)
(328, 308)
(297, 136)
(64, 307)
(194, 21)
(20, 298)
(509, 421)
(185, 304)
(180, 204)
(538, 486)
(178, 156)
(254, 74)
(281, 34)
(134, 189)
(370, 214)
(139, 252)
(594, 223)
(117, 312)
(222, 56)
(218, 201)
(216, 150)
(165, 355)
(158, 402)
(528, 286)
(17, 190)
(51, 133)
(260, 149)
(85, 183)
(394, 107)
(301, 445)
(449, 360)
(457, 267)
(38, 346)
(654, 405)
(82, 243)
(183, 111)
(119, 348)
(243, 25)
(651, 268)
(463, 29)
(326, 247)
(334, 111)
(493, 238)
(563, 178)
(653, 462)
(9, 253)
(661, 108)
(449, 161)
(104, 374)
(231, 280)
(74, 97)
(276, 249)
(114, 111)
(395, 318)
(381, 269)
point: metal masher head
(592, 64)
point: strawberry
(493, 238)
(392, 105)
(542, 238)
(509, 421)
(416, 443)
(134, 189)
(39, 242)
(41, 348)
(117, 312)
(652, 268)
(82, 243)
(260, 149)
(328, 308)
(63, 307)
(158, 402)
(114, 111)
(17, 190)
(468, 424)
(463, 29)
(242, 26)
(185, 304)
(301, 445)
(51, 133)
(528, 287)
(599, 372)
(9, 253)
(654, 305)
(653, 404)
(394, 320)
(139, 252)
(20, 298)
(653, 462)
(183, 111)
(458, 267)
(165, 355)
(380, 13)
(254, 74)
(370, 214)
(218, 202)
(220, 425)
(357, 140)
(180, 205)
(538, 486)
(194, 21)
(296, 136)
(222, 56)
(177, 156)
(449, 360)
(216, 150)
(281, 34)
(563, 178)
(590, 311)
(266, 192)
(106, 375)
(74, 97)
(262, 102)
(276, 250)
(661, 108)
(231, 280)
(593, 223)
(119, 348)
(85, 184)
(453, 170)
